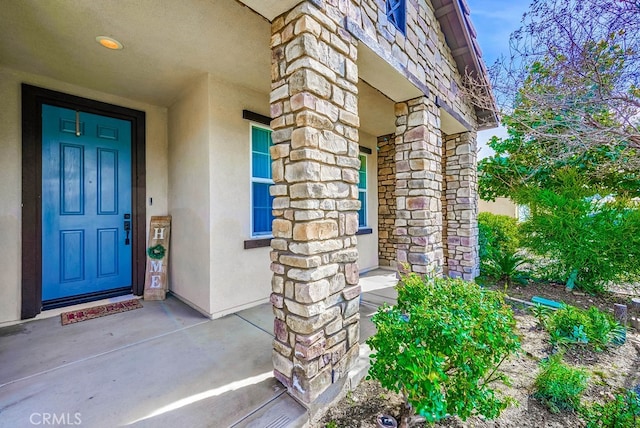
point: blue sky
(494, 21)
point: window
(261, 180)
(397, 14)
(362, 192)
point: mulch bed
(617, 367)
(610, 370)
(559, 293)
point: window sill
(257, 243)
(266, 242)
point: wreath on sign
(156, 252)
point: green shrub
(506, 267)
(559, 386)
(573, 325)
(542, 314)
(621, 412)
(586, 239)
(499, 240)
(441, 345)
(497, 234)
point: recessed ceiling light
(109, 43)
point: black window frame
(397, 14)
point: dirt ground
(559, 293)
(610, 370)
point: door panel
(72, 179)
(72, 255)
(86, 192)
(107, 181)
(107, 252)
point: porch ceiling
(271, 8)
(166, 44)
(377, 112)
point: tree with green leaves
(569, 94)
(570, 99)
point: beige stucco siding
(215, 212)
(11, 172)
(503, 206)
(368, 244)
(235, 278)
(198, 170)
(239, 277)
(189, 135)
(10, 188)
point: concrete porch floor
(164, 365)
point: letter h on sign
(158, 233)
(155, 284)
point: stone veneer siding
(386, 200)
(443, 200)
(314, 110)
(462, 205)
(423, 53)
(419, 186)
(315, 122)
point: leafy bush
(441, 345)
(573, 325)
(497, 234)
(559, 386)
(621, 412)
(505, 267)
(588, 240)
(499, 240)
(542, 314)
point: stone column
(315, 165)
(386, 200)
(462, 206)
(419, 186)
(443, 201)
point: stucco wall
(10, 188)
(213, 141)
(368, 244)
(189, 168)
(503, 206)
(198, 160)
(239, 277)
(11, 172)
(210, 189)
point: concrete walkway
(160, 366)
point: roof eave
(453, 16)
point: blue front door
(86, 203)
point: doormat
(99, 311)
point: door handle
(127, 229)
